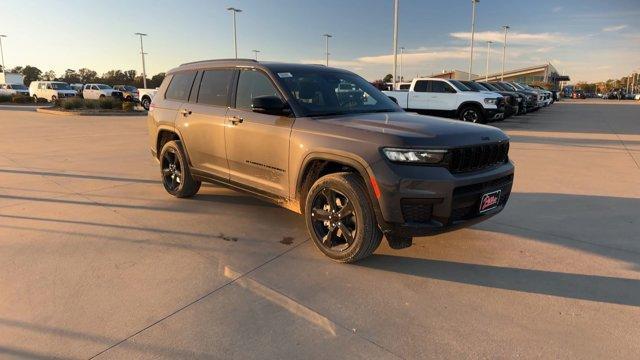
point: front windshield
(17, 87)
(490, 87)
(460, 86)
(130, 88)
(518, 86)
(104, 87)
(60, 86)
(506, 86)
(322, 92)
(474, 86)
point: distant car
(578, 94)
(50, 90)
(146, 96)
(99, 91)
(14, 89)
(129, 92)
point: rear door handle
(186, 112)
(235, 120)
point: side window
(94, 87)
(87, 87)
(421, 86)
(214, 87)
(441, 87)
(250, 85)
(180, 86)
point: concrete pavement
(98, 261)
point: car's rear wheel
(145, 102)
(472, 114)
(35, 99)
(340, 218)
(175, 172)
(54, 98)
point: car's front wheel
(175, 172)
(340, 218)
(472, 114)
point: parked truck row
(472, 101)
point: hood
(410, 129)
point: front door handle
(186, 112)
(235, 120)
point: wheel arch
(318, 164)
(166, 134)
(473, 103)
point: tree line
(84, 76)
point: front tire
(472, 114)
(340, 218)
(175, 172)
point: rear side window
(180, 86)
(421, 86)
(251, 85)
(214, 87)
(441, 87)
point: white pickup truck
(146, 96)
(449, 98)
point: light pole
(2, 52)
(395, 42)
(473, 33)
(235, 35)
(144, 69)
(486, 77)
(326, 47)
(504, 50)
(401, 62)
(255, 52)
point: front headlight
(490, 101)
(415, 156)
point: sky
(589, 40)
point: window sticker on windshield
(285, 75)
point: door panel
(257, 144)
(201, 122)
(203, 136)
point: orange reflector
(374, 185)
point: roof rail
(213, 60)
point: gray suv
(325, 143)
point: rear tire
(340, 218)
(175, 173)
(145, 102)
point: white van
(50, 90)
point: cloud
(614, 28)
(557, 9)
(512, 37)
(419, 56)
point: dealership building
(541, 73)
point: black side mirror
(393, 99)
(269, 104)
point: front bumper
(494, 114)
(422, 200)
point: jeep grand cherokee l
(325, 143)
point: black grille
(474, 158)
(417, 210)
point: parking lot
(98, 260)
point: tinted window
(180, 86)
(253, 84)
(461, 86)
(214, 87)
(441, 87)
(421, 86)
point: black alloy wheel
(171, 170)
(471, 114)
(175, 172)
(334, 219)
